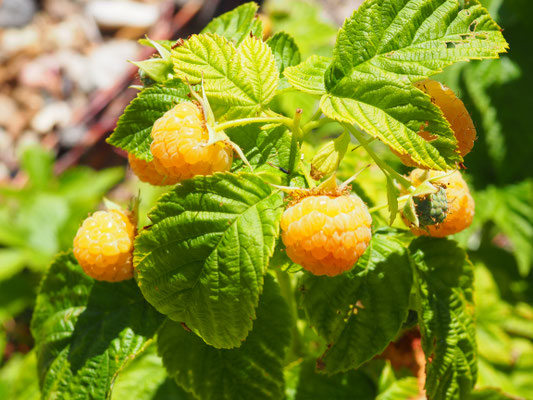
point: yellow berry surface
(179, 148)
(104, 246)
(461, 205)
(146, 172)
(455, 113)
(326, 235)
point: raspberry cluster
(326, 235)
(103, 246)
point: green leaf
(12, 260)
(304, 21)
(202, 261)
(511, 209)
(259, 66)
(354, 384)
(41, 218)
(237, 24)
(73, 184)
(86, 331)
(369, 79)
(38, 163)
(490, 394)
(145, 378)
(309, 76)
(478, 79)
(328, 157)
(3, 342)
(413, 40)
(505, 356)
(444, 284)
(135, 125)
(253, 371)
(266, 150)
(238, 82)
(163, 47)
(18, 378)
(285, 50)
(365, 307)
(158, 69)
(394, 112)
(406, 388)
(16, 294)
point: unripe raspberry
(460, 204)
(326, 235)
(179, 145)
(104, 246)
(455, 113)
(432, 208)
(146, 172)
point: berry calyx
(181, 146)
(455, 113)
(326, 234)
(146, 172)
(460, 203)
(103, 246)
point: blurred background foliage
(41, 216)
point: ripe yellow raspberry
(326, 235)
(146, 172)
(454, 111)
(179, 145)
(104, 246)
(460, 204)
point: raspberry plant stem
(286, 288)
(246, 121)
(313, 124)
(296, 137)
(400, 199)
(385, 168)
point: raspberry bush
(261, 274)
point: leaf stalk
(386, 168)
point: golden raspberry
(104, 246)
(146, 172)
(454, 111)
(179, 145)
(460, 204)
(326, 235)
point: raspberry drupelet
(326, 235)
(104, 246)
